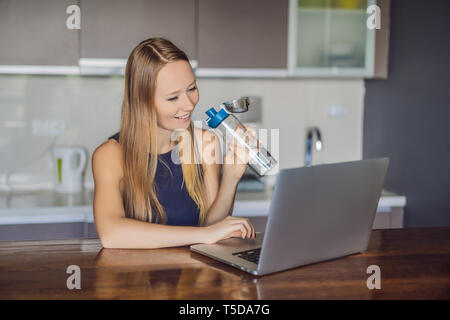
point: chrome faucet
(309, 142)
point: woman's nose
(188, 105)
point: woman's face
(176, 95)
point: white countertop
(47, 206)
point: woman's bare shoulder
(108, 157)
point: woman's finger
(249, 230)
(248, 227)
(253, 230)
(244, 231)
(234, 234)
(241, 227)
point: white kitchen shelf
(41, 70)
(106, 67)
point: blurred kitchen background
(305, 64)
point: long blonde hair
(139, 139)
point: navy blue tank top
(178, 205)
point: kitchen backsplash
(86, 110)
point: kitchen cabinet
(48, 231)
(42, 231)
(235, 34)
(35, 39)
(112, 28)
(252, 38)
(330, 38)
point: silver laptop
(317, 213)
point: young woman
(145, 199)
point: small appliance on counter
(69, 163)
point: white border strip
(94, 62)
(102, 67)
(34, 69)
(242, 72)
(108, 67)
(99, 66)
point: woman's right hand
(237, 156)
(229, 227)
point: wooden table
(414, 264)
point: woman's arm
(117, 231)
(128, 233)
(221, 192)
(223, 204)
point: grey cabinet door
(43, 231)
(35, 33)
(47, 231)
(91, 231)
(242, 34)
(112, 28)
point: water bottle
(260, 160)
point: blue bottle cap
(215, 118)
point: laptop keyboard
(249, 255)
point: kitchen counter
(47, 206)
(44, 198)
(414, 264)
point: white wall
(90, 108)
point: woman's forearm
(223, 204)
(134, 234)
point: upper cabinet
(242, 34)
(232, 38)
(331, 38)
(112, 28)
(34, 37)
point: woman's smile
(184, 118)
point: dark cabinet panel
(48, 231)
(242, 34)
(42, 231)
(91, 231)
(112, 28)
(35, 33)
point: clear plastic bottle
(260, 160)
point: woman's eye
(175, 98)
